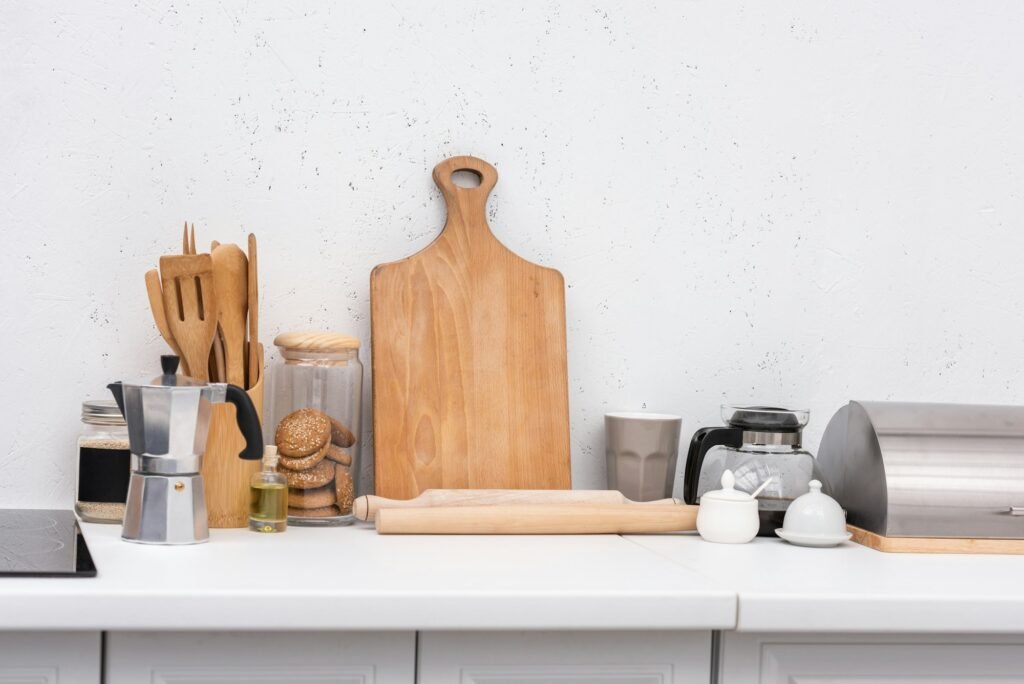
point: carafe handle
(702, 441)
(248, 422)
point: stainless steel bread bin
(928, 470)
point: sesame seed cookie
(325, 512)
(344, 488)
(341, 435)
(312, 498)
(306, 462)
(339, 455)
(317, 476)
(302, 433)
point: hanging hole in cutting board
(467, 178)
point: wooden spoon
(254, 316)
(230, 278)
(190, 304)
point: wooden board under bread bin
(470, 384)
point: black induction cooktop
(42, 543)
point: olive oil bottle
(268, 496)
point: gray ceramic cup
(642, 449)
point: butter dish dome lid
(815, 514)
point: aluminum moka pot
(168, 419)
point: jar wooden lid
(319, 342)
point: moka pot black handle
(703, 439)
(248, 423)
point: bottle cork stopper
(270, 456)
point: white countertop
(351, 578)
(850, 588)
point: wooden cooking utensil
(188, 240)
(366, 507)
(156, 305)
(230, 273)
(539, 519)
(254, 370)
(218, 371)
(469, 359)
(191, 307)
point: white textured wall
(794, 202)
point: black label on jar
(103, 474)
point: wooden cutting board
(470, 385)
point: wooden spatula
(230, 275)
(156, 304)
(191, 307)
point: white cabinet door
(871, 659)
(564, 657)
(260, 657)
(50, 657)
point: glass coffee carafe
(757, 443)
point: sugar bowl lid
(728, 492)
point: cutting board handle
(465, 204)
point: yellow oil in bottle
(268, 497)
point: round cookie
(306, 462)
(344, 488)
(317, 476)
(302, 433)
(312, 498)
(325, 512)
(341, 435)
(339, 455)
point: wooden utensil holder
(226, 476)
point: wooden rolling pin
(538, 519)
(366, 507)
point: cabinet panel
(50, 657)
(261, 658)
(871, 659)
(564, 657)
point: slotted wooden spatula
(470, 386)
(191, 307)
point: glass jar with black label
(104, 463)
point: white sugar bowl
(814, 519)
(728, 515)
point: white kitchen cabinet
(264, 657)
(50, 657)
(564, 657)
(870, 659)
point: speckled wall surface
(798, 203)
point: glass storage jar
(316, 392)
(104, 463)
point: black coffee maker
(757, 443)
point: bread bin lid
(912, 469)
